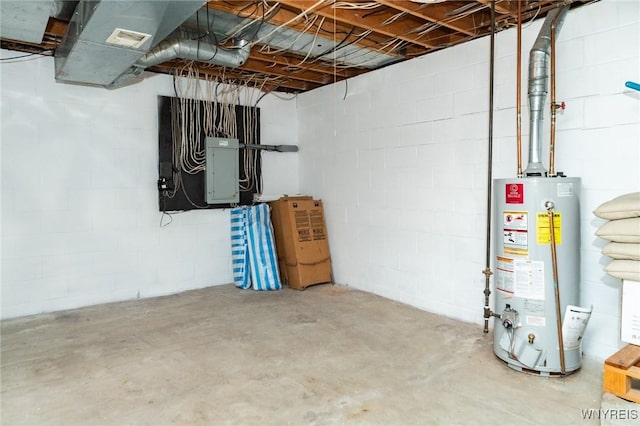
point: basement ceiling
(295, 45)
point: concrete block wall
(80, 221)
(400, 158)
(398, 155)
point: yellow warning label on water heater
(542, 228)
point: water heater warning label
(543, 230)
(515, 232)
(521, 278)
(534, 312)
(515, 239)
(515, 220)
(505, 274)
(529, 279)
(514, 193)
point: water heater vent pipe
(554, 105)
(538, 86)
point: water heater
(529, 296)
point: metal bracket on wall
(278, 148)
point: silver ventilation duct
(312, 46)
(538, 87)
(24, 20)
(63, 9)
(183, 44)
(105, 38)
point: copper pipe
(552, 137)
(519, 93)
(556, 285)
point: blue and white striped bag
(263, 260)
(239, 249)
(255, 263)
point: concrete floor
(328, 355)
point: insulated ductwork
(538, 87)
(183, 44)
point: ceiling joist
(338, 39)
(435, 13)
(502, 6)
(284, 84)
(294, 61)
(391, 23)
(297, 20)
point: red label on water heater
(514, 193)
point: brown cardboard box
(301, 241)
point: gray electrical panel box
(221, 171)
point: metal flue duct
(538, 87)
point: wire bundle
(208, 106)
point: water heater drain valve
(509, 317)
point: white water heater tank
(526, 333)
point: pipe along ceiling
(289, 45)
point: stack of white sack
(623, 232)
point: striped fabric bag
(253, 251)
(239, 249)
(263, 260)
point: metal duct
(538, 87)
(63, 9)
(291, 40)
(24, 20)
(183, 44)
(105, 38)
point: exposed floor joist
(434, 13)
(354, 36)
(382, 21)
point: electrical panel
(221, 171)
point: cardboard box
(630, 324)
(301, 241)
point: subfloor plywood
(327, 355)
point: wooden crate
(621, 370)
